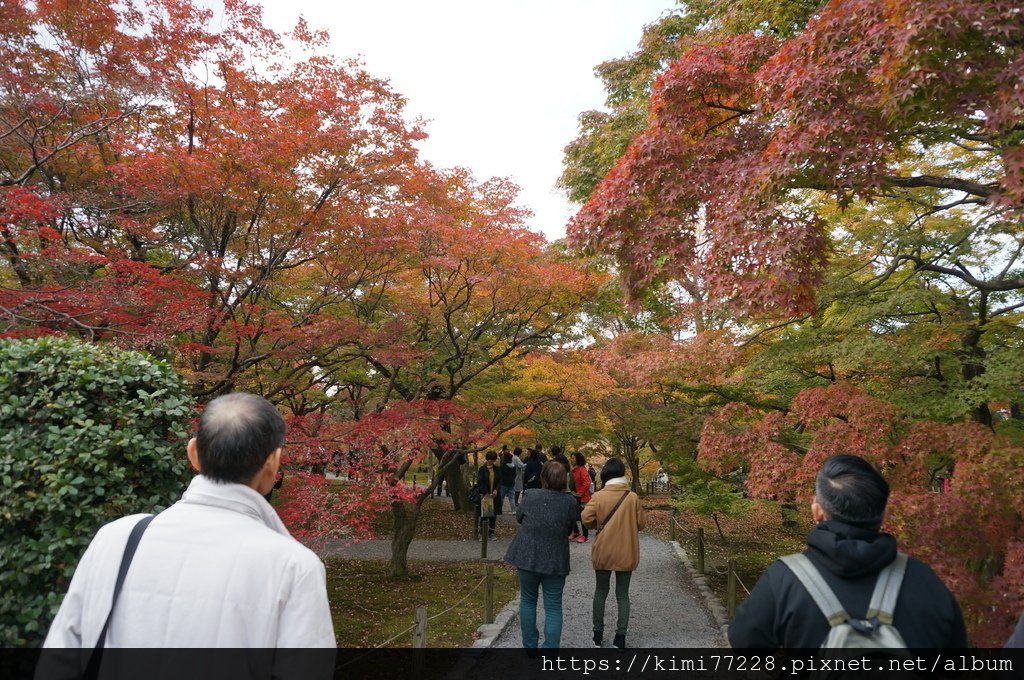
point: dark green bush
(87, 434)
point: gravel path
(665, 608)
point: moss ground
(369, 608)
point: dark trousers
(621, 597)
(584, 530)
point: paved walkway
(667, 610)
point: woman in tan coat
(617, 514)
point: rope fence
(392, 639)
(457, 604)
(419, 627)
(680, 526)
(745, 589)
(732, 576)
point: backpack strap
(887, 590)
(814, 583)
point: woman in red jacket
(581, 476)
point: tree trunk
(788, 519)
(632, 461)
(975, 354)
(457, 488)
(718, 526)
(405, 516)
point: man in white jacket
(216, 569)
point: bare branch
(954, 183)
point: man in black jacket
(849, 551)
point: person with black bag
(618, 516)
(511, 467)
(216, 569)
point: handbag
(487, 506)
(92, 668)
(474, 495)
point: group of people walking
(506, 475)
(551, 517)
(501, 478)
(850, 581)
(790, 605)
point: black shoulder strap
(93, 667)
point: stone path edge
(701, 581)
(488, 633)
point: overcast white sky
(500, 82)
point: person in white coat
(216, 569)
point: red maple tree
(747, 136)
(970, 534)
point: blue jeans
(529, 583)
(508, 498)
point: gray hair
(237, 432)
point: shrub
(87, 434)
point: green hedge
(87, 434)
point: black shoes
(619, 641)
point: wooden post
(730, 589)
(672, 525)
(420, 636)
(700, 550)
(489, 593)
(483, 538)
